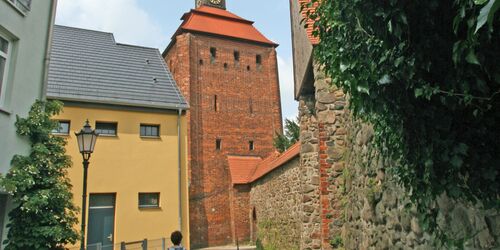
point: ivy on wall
(426, 74)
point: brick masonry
(236, 102)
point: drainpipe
(179, 166)
(50, 30)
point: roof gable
(89, 66)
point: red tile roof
(242, 167)
(221, 22)
(310, 23)
(247, 169)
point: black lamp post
(86, 143)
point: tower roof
(221, 22)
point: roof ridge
(78, 28)
(272, 162)
(137, 46)
(234, 17)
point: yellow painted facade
(128, 164)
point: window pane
(104, 128)
(149, 200)
(4, 45)
(62, 129)
(150, 130)
(2, 71)
(101, 200)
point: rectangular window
(213, 54)
(150, 130)
(63, 128)
(236, 56)
(106, 128)
(258, 60)
(251, 145)
(149, 200)
(4, 62)
(215, 103)
(23, 5)
(218, 144)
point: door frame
(88, 215)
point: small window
(251, 146)
(63, 128)
(236, 56)
(149, 200)
(150, 130)
(106, 128)
(258, 60)
(218, 144)
(213, 54)
(201, 61)
(23, 5)
(4, 63)
(248, 68)
(225, 66)
(215, 103)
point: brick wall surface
(235, 102)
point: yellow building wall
(127, 165)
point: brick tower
(227, 70)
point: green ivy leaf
(386, 79)
(472, 58)
(487, 13)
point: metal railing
(157, 244)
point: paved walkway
(230, 248)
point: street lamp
(86, 143)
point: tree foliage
(292, 132)
(426, 75)
(44, 214)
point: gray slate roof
(89, 66)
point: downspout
(179, 166)
(50, 31)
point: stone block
(325, 97)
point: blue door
(101, 228)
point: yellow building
(137, 179)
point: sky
(152, 23)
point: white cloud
(288, 104)
(124, 18)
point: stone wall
(276, 199)
(348, 198)
(375, 212)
